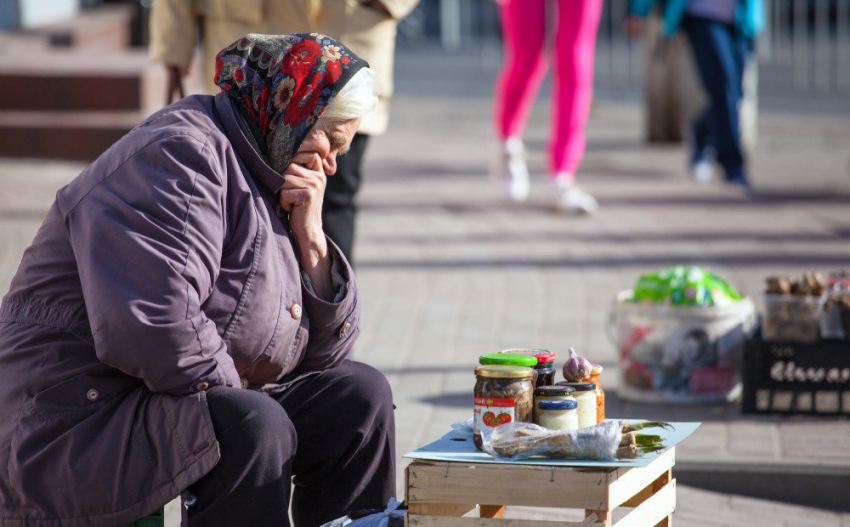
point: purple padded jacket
(162, 269)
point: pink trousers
(524, 35)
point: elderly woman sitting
(180, 324)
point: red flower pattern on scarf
(285, 81)
(302, 59)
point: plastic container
(502, 394)
(545, 367)
(680, 354)
(595, 371)
(791, 318)
(585, 396)
(552, 393)
(557, 415)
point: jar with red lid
(545, 368)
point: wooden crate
(439, 492)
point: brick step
(79, 80)
(107, 27)
(78, 136)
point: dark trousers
(330, 436)
(720, 53)
(339, 209)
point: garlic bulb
(576, 369)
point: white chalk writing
(782, 371)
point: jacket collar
(257, 166)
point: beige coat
(367, 32)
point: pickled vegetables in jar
(502, 394)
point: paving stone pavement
(448, 270)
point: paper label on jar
(490, 413)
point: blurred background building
(803, 64)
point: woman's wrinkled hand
(302, 196)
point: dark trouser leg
(720, 55)
(345, 459)
(339, 209)
(703, 138)
(250, 485)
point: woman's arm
(148, 239)
(330, 298)
(302, 196)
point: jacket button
(92, 395)
(202, 386)
(244, 383)
(279, 211)
(295, 311)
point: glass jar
(511, 359)
(545, 367)
(585, 396)
(502, 394)
(557, 415)
(600, 394)
(551, 393)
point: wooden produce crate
(796, 378)
(439, 492)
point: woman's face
(329, 139)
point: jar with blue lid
(557, 414)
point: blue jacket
(749, 16)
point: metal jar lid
(579, 386)
(554, 391)
(557, 405)
(503, 372)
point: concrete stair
(70, 90)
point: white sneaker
(509, 170)
(566, 197)
(702, 171)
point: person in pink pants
(524, 32)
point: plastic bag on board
(517, 441)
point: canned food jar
(502, 394)
(545, 367)
(557, 415)
(595, 371)
(549, 393)
(585, 396)
(511, 359)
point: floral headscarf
(284, 83)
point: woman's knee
(248, 418)
(368, 389)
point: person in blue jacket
(721, 33)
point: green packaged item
(508, 359)
(684, 286)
